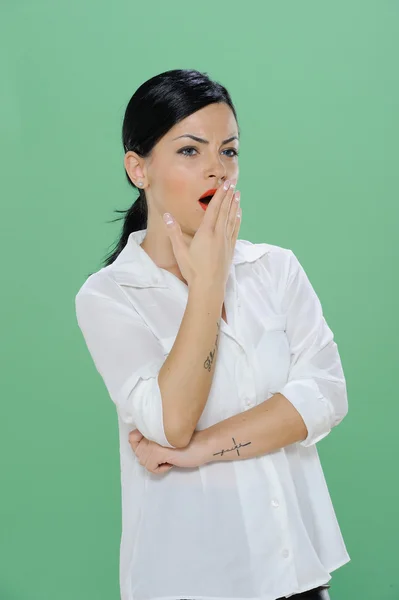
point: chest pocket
(272, 353)
(266, 330)
(273, 323)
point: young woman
(223, 370)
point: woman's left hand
(160, 459)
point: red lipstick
(210, 192)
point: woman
(222, 368)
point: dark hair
(156, 106)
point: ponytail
(135, 219)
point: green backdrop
(317, 93)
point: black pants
(319, 593)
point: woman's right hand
(209, 256)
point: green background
(317, 93)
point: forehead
(213, 122)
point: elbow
(177, 436)
(177, 442)
(341, 410)
(144, 405)
(140, 404)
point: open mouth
(205, 201)
(206, 198)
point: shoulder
(100, 283)
(269, 262)
(247, 251)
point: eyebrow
(202, 141)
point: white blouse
(254, 529)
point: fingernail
(226, 184)
(167, 217)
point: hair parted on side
(156, 106)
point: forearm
(186, 375)
(271, 425)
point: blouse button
(275, 503)
(285, 553)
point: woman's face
(181, 169)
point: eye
(183, 150)
(236, 152)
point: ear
(135, 167)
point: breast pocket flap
(274, 322)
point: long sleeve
(316, 383)
(128, 357)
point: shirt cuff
(140, 404)
(316, 411)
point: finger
(135, 435)
(234, 211)
(237, 227)
(163, 468)
(152, 457)
(138, 453)
(133, 445)
(179, 246)
(211, 213)
(141, 451)
(225, 208)
(151, 463)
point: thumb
(164, 468)
(169, 220)
(175, 235)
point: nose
(217, 179)
(217, 169)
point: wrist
(206, 287)
(203, 439)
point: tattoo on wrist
(235, 447)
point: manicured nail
(167, 217)
(226, 184)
